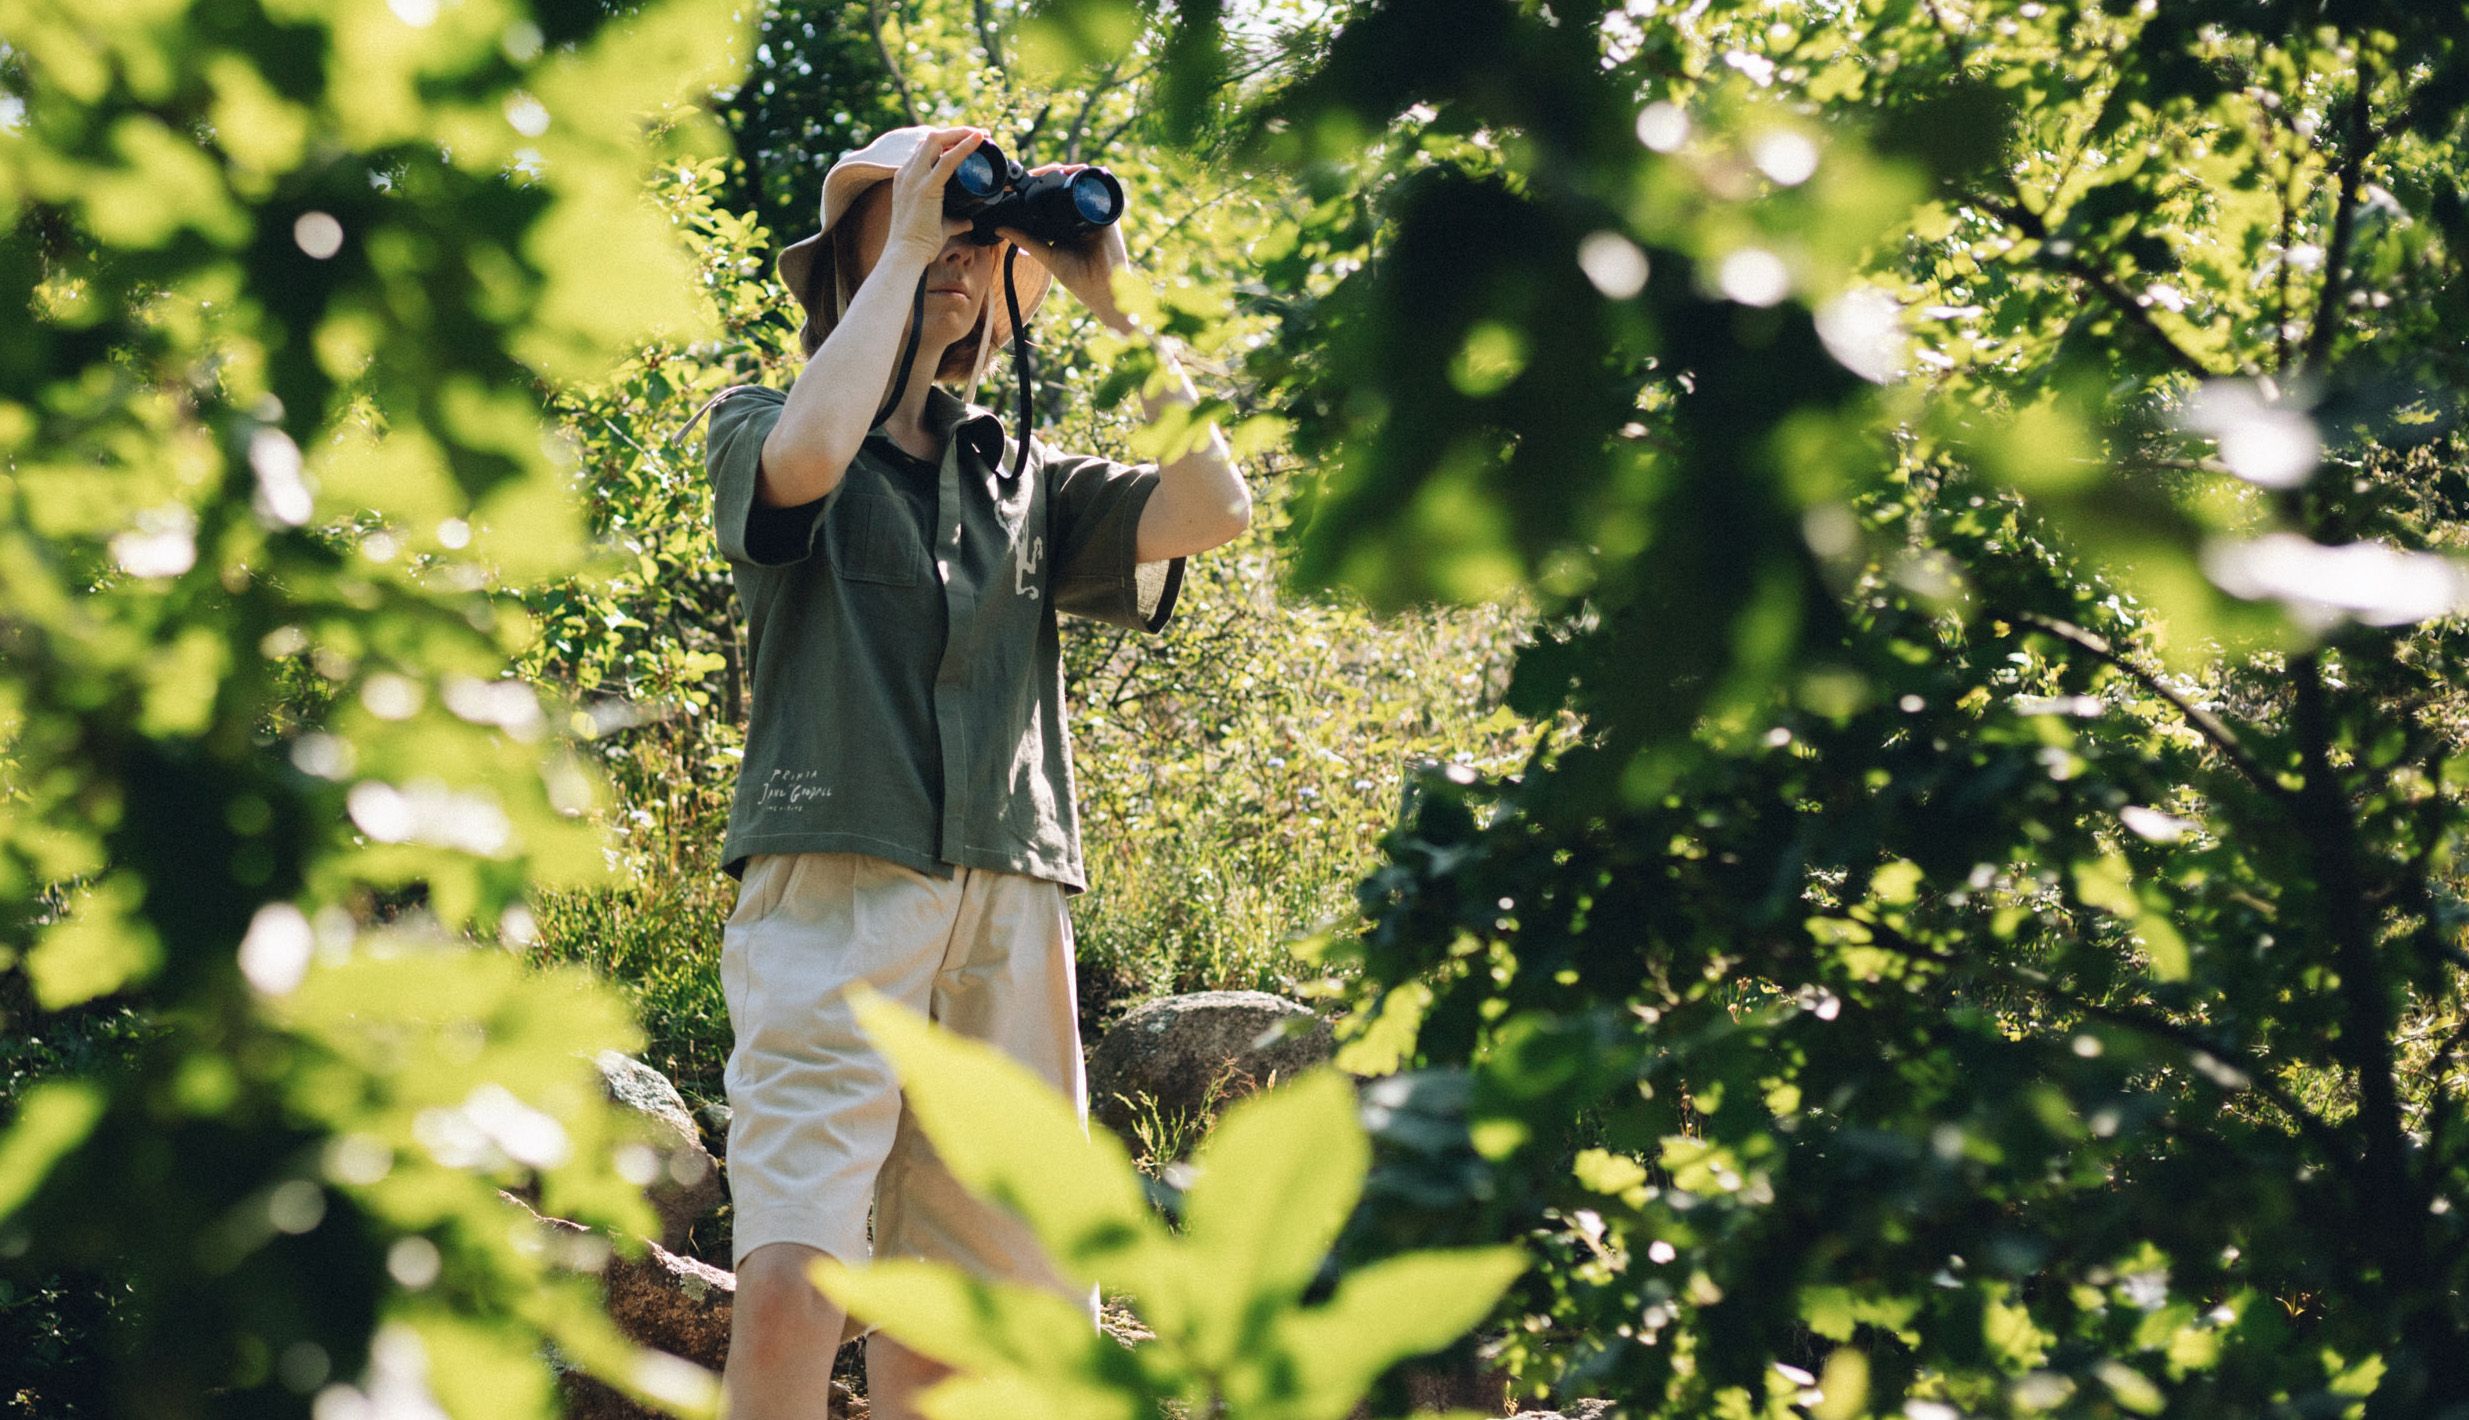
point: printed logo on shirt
(1024, 572)
(793, 789)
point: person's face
(957, 281)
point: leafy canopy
(1989, 472)
(289, 282)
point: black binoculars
(1057, 208)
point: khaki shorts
(817, 1128)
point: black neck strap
(908, 356)
(1020, 356)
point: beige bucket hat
(806, 267)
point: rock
(672, 1303)
(1193, 1054)
(1576, 1410)
(663, 1301)
(1463, 1384)
(714, 1118)
(682, 1179)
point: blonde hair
(963, 359)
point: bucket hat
(806, 267)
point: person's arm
(1201, 500)
(832, 405)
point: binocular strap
(908, 356)
(1020, 355)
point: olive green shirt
(906, 669)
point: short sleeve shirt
(905, 663)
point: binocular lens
(981, 173)
(1096, 197)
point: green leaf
(1406, 1306)
(1030, 1353)
(55, 1117)
(1010, 1139)
(102, 947)
(1276, 1181)
(1601, 1171)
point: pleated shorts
(818, 1134)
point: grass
(658, 940)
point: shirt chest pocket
(873, 538)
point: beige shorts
(817, 1128)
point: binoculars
(991, 190)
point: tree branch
(2034, 226)
(990, 40)
(2441, 1114)
(2328, 830)
(1080, 121)
(900, 82)
(2207, 724)
(2344, 218)
(1028, 135)
(2312, 1125)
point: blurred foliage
(293, 279)
(1984, 470)
(1246, 1324)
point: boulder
(1462, 1383)
(668, 1303)
(672, 1303)
(663, 1301)
(683, 1179)
(1574, 1410)
(1190, 1055)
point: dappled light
(1835, 729)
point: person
(903, 813)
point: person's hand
(918, 224)
(1087, 268)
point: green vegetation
(1963, 966)
(1923, 537)
(1225, 1287)
(285, 280)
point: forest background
(1939, 896)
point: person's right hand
(918, 223)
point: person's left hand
(1086, 269)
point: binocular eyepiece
(992, 190)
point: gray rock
(1576, 1410)
(685, 1184)
(1191, 1055)
(714, 1118)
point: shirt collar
(979, 430)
